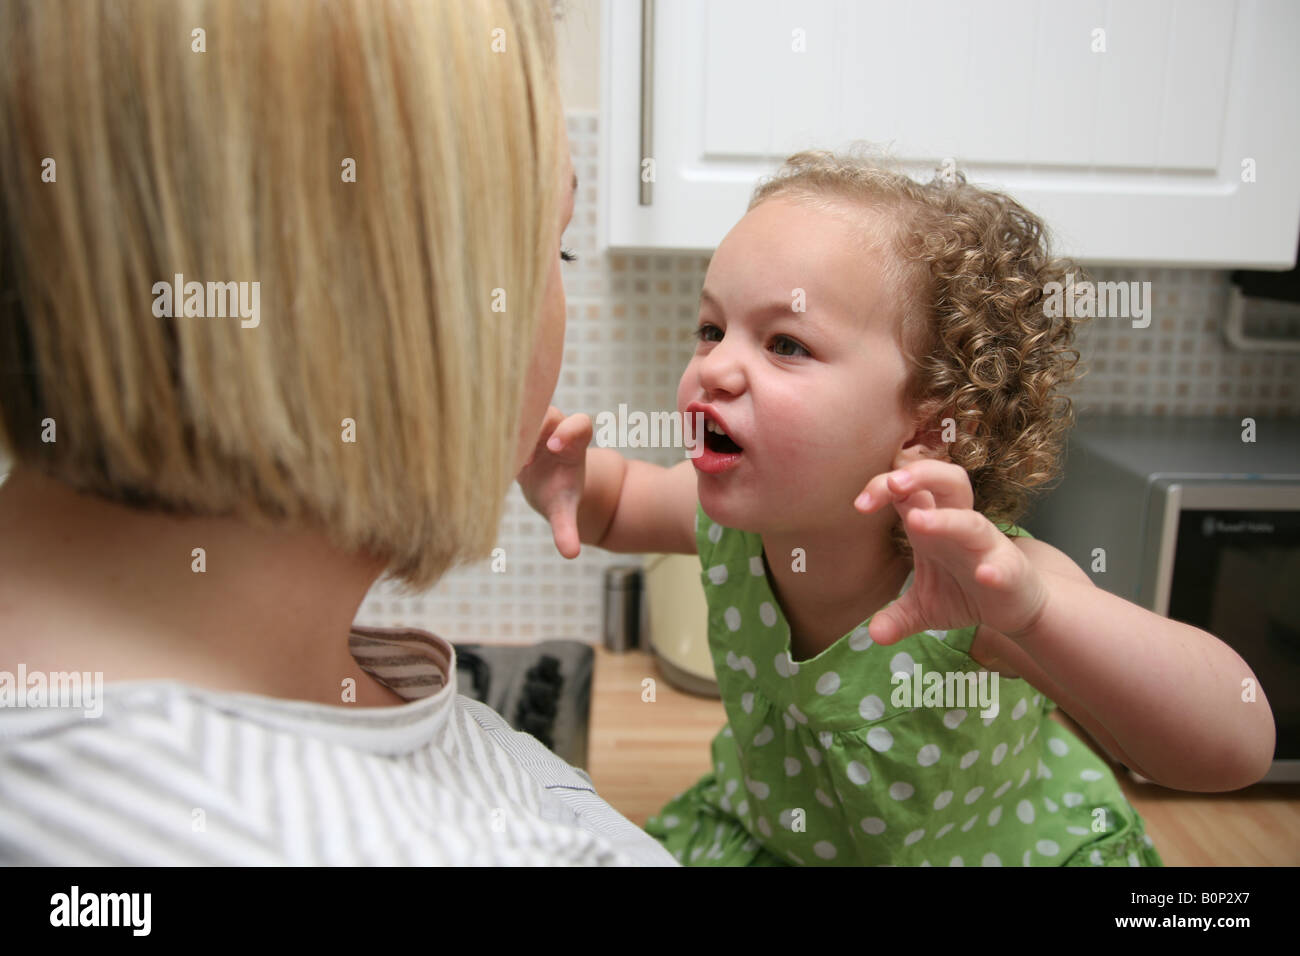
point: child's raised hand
(553, 478)
(966, 571)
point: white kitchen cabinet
(1141, 152)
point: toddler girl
(881, 386)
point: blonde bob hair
(145, 139)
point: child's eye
(786, 338)
(703, 331)
(568, 256)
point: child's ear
(926, 441)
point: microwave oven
(1196, 519)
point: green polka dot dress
(816, 766)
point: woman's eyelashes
(702, 333)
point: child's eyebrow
(771, 310)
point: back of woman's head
(384, 171)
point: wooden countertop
(643, 754)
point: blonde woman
(281, 311)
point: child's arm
(596, 496)
(1167, 694)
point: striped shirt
(172, 774)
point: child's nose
(722, 370)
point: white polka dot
(871, 707)
(956, 861)
(1072, 799)
(725, 802)
(952, 720)
(1089, 775)
(822, 798)
(828, 683)
(901, 790)
(798, 714)
(750, 669)
(994, 816)
(747, 702)
(732, 616)
(786, 819)
(767, 614)
(927, 755)
(857, 773)
(1020, 745)
(999, 752)
(1051, 806)
(764, 736)
(733, 661)
(764, 827)
(990, 859)
(943, 799)
(1094, 858)
(1018, 711)
(1026, 859)
(965, 827)
(942, 830)
(813, 756)
(873, 825)
(1025, 811)
(789, 721)
(969, 758)
(1001, 790)
(1024, 779)
(824, 850)
(901, 663)
(913, 837)
(785, 667)
(1047, 848)
(972, 795)
(1043, 772)
(726, 731)
(758, 789)
(756, 566)
(939, 635)
(1033, 733)
(718, 574)
(672, 822)
(826, 739)
(731, 786)
(1077, 831)
(879, 739)
(1057, 746)
(715, 533)
(925, 862)
(742, 808)
(860, 639)
(695, 854)
(792, 767)
(1133, 860)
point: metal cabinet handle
(647, 97)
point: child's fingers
(564, 529)
(948, 483)
(962, 527)
(574, 431)
(891, 624)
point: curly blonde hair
(971, 264)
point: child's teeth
(710, 426)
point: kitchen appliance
(677, 623)
(1198, 519)
(543, 689)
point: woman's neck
(92, 586)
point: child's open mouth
(716, 440)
